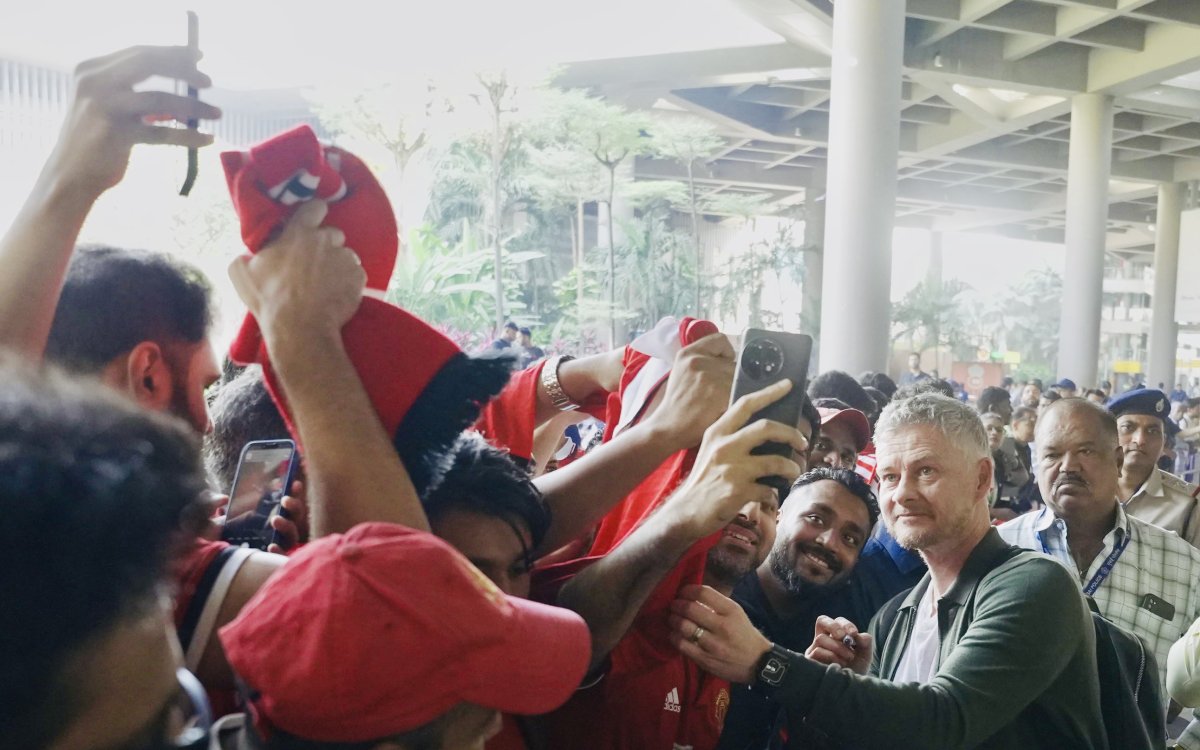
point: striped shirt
(1155, 562)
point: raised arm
(696, 395)
(609, 594)
(106, 118)
(302, 289)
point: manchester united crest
(721, 706)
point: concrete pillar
(864, 139)
(814, 257)
(1090, 160)
(1164, 332)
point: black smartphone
(1158, 606)
(193, 163)
(766, 357)
(264, 475)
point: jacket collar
(977, 565)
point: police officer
(1146, 491)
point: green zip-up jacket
(1016, 667)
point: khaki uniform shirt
(1168, 502)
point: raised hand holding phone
(264, 476)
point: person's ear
(149, 377)
(986, 470)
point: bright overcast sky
(256, 44)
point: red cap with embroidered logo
(381, 630)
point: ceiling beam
(1170, 50)
(713, 67)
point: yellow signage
(1128, 366)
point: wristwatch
(772, 669)
(553, 388)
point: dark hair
(114, 299)
(855, 484)
(1038, 383)
(879, 397)
(879, 381)
(511, 326)
(1006, 381)
(241, 411)
(1051, 395)
(992, 396)
(839, 385)
(1023, 412)
(525, 332)
(1096, 392)
(95, 495)
(1192, 403)
(810, 413)
(928, 385)
(483, 479)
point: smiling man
(962, 660)
(1145, 490)
(822, 528)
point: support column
(1090, 160)
(1164, 331)
(864, 140)
(814, 256)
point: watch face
(772, 671)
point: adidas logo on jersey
(672, 702)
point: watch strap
(553, 388)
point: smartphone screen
(262, 479)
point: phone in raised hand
(264, 475)
(766, 357)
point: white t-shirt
(919, 662)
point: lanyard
(1105, 569)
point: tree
(690, 141)
(1031, 316)
(645, 283)
(565, 174)
(499, 98)
(933, 312)
(612, 135)
(391, 120)
(449, 286)
(775, 255)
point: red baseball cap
(852, 418)
(381, 630)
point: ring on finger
(697, 635)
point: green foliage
(557, 151)
(685, 138)
(450, 285)
(1030, 316)
(931, 315)
(746, 276)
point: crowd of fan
(1015, 574)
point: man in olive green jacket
(994, 648)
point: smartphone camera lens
(762, 359)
